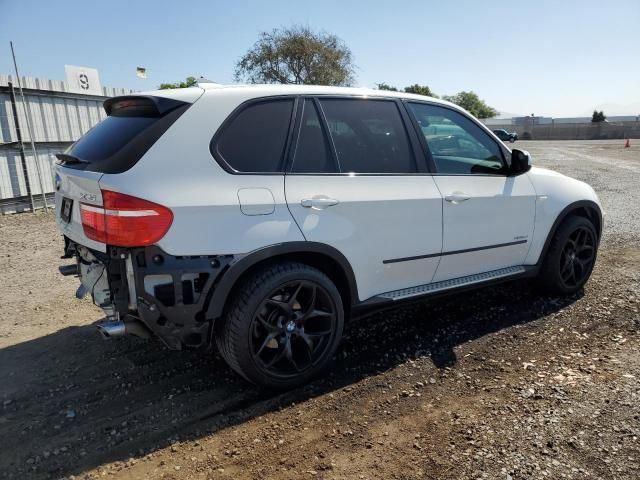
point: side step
(453, 283)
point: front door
(359, 190)
(488, 216)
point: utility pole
(28, 118)
(16, 120)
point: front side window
(458, 146)
(254, 140)
(313, 151)
(369, 136)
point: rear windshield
(109, 136)
(118, 142)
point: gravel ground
(613, 171)
(499, 383)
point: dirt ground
(499, 383)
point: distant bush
(527, 136)
(598, 117)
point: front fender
(556, 197)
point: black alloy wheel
(292, 328)
(571, 256)
(282, 325)
(577, 257)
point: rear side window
(313, 151)
(254, 139)
(118, 142)
(369, 136)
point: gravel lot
(499, 384)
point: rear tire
(282, 325)
(570, 258)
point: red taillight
(125, 221)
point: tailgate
(72, 187)
(133, 124)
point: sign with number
(83, 80)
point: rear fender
(292, 249)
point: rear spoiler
(140, 105)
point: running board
(453, 283)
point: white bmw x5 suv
(260, 218)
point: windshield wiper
(66, 159)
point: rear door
(488, 216)
(358, 184)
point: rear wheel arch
(325, 258)
(583, 208)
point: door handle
(318, 202)
(456, 197)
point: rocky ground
(500, 383)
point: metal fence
(22, 182)
(574, 131)
(33, 130)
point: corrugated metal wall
(58, 118)
(12, 182)
(34, 83)
(53, 118)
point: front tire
(282, 326)
(570, 258)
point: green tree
(420, 90)
(473, 104)
(297, 55)
(384, 86)
(598, 117)
(415, 88)
(189, 82)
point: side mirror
(520, 162)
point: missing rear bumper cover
(172, 293)
(168, 294)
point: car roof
(265, 90)
(253, 91)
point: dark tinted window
(369, 136)
(109, 136)
(457, 144)
(254, 140)
(117, 143)
(313, 152)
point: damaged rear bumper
(169, 295)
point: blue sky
(556, 58)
